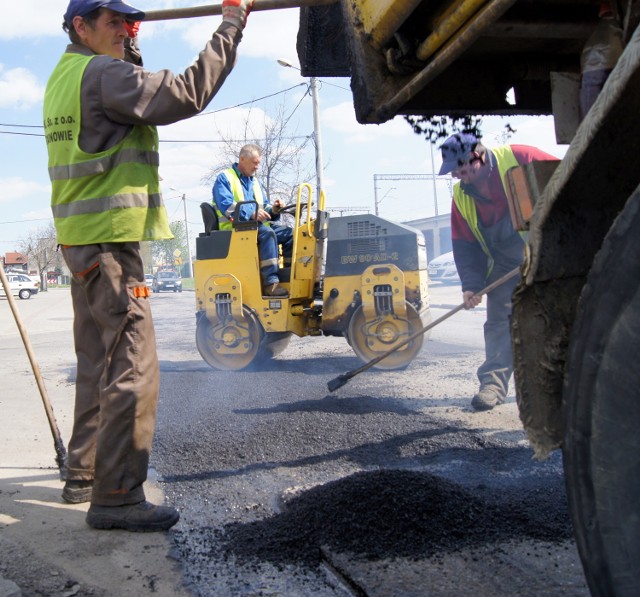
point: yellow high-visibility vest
(505, 160)
(238, 195)
(110, 196)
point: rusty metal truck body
(576, 318)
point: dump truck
(576, 311)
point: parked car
(21, 285)
(148, 278)
(166, 280)
(443, 269)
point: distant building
(437, 234)
(16, 262)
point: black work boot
(486, 398)
(77, 491)
(274, 290)
(143, 517)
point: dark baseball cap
(81, 8)
(455, 150)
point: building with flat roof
(437, 233)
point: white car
(21, 285)
(443, 269)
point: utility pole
(313, 86)
(186, 230)
(313, 83)
(436, 230)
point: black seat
(209, 218)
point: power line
(21, 134)
(23, 221)
(253, 101)
(223, 140)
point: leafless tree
(40, 247)
(287, 159)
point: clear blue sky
(32, 40)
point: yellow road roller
(359, 276)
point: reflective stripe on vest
(467, 207)
(110, 196)
(238, 195)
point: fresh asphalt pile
(487, 492)
(285, 489)
(389, 514)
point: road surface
(389, 486)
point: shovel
(216, 9)
(61, 452)
(341, 380)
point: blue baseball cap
(455, 150)
(81, 8)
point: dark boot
(274, 290)
(486, 398)
(77, 491)
(143, 517)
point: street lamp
(313, 84)
(186, 231)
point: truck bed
(439, 57)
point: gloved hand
(132, 28)
(236, 11)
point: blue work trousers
(497, 368)
(269, 237)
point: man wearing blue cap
(100, 117)
(486, 246)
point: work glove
(132, 28)
(131, 50)
(236, 12)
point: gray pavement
(46, 548)
(45, 545)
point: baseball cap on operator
(81, 8)
(455, 151)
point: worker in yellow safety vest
(100, 114)
(239, 183)
(486, 246)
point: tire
(24, 294)
(358, 329)
(230, 347)
(601, 403)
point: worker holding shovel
(486, 246)
(100, 117)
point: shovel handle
(61, 452)
(216, 9)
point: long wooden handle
(216, 9)
(61, 452)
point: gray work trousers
(497, 368)
(117, 372)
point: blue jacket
(223, 194)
